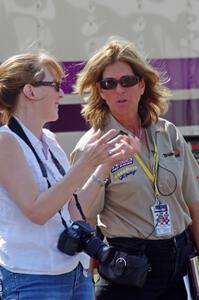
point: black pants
(168, 266)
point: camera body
(81, 236)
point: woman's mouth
(121, 101)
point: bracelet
(99, 181)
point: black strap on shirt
(16, 127)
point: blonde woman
(151, 203)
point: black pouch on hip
(126, 269)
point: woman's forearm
(91, 196)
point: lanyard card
(162, 219)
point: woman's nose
(61, 92)
(119, 88)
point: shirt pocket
(170, 171)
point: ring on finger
(109, 152)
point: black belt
(139, 245)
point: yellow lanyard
(154, 175)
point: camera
(81, 236)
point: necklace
(138, 132)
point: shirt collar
(36, 143)
(113, 123)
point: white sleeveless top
(26, 247)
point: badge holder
(161, 219)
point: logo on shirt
(124, 169)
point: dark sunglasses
(55, 84)
(124, 81)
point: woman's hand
(128, 145)
(110, 148)
(105, 151)
(97, 150)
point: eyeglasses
(124, 81)
(55, 84)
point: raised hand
(110, 148)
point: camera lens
(106, 254)
(99, 250)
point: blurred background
(165, 31)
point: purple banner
(70, 119)
(71, 70)
(183, 72)
(183, 112)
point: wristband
(99, 181)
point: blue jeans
(74, 285)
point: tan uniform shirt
(125, 204)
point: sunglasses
(55, 84)
(124, 81)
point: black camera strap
(16, 127)
(79, 207)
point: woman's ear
(142, 85)
(28, 91)
(100, 91)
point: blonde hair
(19, 70)
(152, 102)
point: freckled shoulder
(7, 139)
(8, 145)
